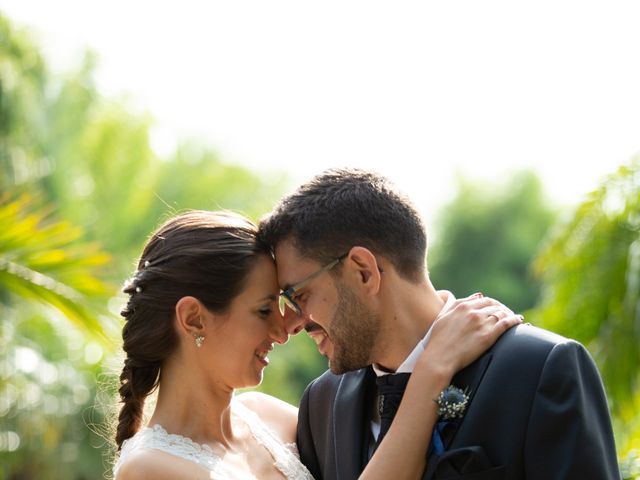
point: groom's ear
(189, 312)
(364, 268)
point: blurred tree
(42, 260)
(46, 368)
(22, 94)
(590, 269)
(487, 238)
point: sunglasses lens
(282, 304)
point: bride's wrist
(438, 371)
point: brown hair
(207, 255)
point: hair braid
(136, 383)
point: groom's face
(343, 327)
(354, 330)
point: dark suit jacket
(537, 411)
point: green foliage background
(81, 188)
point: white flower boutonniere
(452, 402)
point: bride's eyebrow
(271, 297)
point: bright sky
(415, 90)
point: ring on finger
(494, 316)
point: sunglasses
(286, 296)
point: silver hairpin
(147, 263)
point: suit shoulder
(329, 381)
(529, 341)
(327, 378)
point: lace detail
(285, 456)
(158, 438)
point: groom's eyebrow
(270, 296)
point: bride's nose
(277, 332)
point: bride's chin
(256, 380)
(249, 380)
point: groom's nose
(293, 323)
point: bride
(202, 317)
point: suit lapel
(467, 379)
(350, 422)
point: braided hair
(203, 254)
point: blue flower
(452, 402)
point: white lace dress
(285, 456)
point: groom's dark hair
(342, 208)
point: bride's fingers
(473, 296)
(475, 302)
(505, 323)
(475, 306)
(488, 332)
(497, 320)
(498, 312)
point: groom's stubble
(354, 332)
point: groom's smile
(320, 337)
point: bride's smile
(238, 341)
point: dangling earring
(199, 339)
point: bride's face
(242, 339)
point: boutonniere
(452, 402)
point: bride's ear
(189, 312)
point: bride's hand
(465, 331)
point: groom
(351, 251)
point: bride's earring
(199, 337)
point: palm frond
(44, 260)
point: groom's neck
(405, 321)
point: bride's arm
(458, 338)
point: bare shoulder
(280, 416)
(147, 464)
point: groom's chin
(337, 367)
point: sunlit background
(418, 91)
(515, 128)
